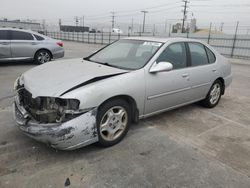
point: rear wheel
(214, 95)
(42, 56)
(113, 121)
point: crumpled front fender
(73, 134)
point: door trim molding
(176, 91)
(168, 93)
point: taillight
(60, 44)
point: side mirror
(161, 67)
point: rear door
(22, 45)
(5, 52)
(202, 69)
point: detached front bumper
(73, 134)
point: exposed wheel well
(131, 102)
(46, 50)
(223, 84)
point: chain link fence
(236, 46)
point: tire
(42, 56)
(113, 122)
(214, 95)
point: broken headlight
(18, 83)
(50, 103)
(51, 109)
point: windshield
(126, 54)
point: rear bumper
(73, 134)
(58, 54)
(228, 80)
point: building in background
(192, 26)
(70, 28)
(21, 24)
(176, 28)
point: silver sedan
(19, 44)
(72, 103)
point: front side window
(126, 54)
(21, 35)
(198, 54)
(175, 54)
(4, 35)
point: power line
(136, 10)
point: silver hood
(55, 78)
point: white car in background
(117, 30)
(19, 44)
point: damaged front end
(56, 121)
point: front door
(165, 90)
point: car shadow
(147, 122)
(16, 63)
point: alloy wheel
(113, 123)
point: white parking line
(229, 120)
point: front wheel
(214, 95)
(113, 121)
(42, 56)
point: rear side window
(210, 55)
(175, 54)
(21, 35)
(38, 37)
(4, 35)
(198, 54)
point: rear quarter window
(210, 55)
(38, 37)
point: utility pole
(221, 26)
(76, 20)
(166, 22)
(60, 23)
(43, 25)
(144, 16)
(154, 30)
(184, 15)
(132, 25)
(170, 27)
(113, 19)
(82, 21)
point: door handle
(4, 43)
(214, 70)
(34, 43)
(185, 75)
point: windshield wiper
(110, 65)
(107, 64)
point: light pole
(144, 16)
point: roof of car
(11, 28)
(161, 39)
(26, 30)
(17, 29)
